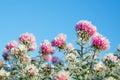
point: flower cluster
(28, 40)
(85, 29)
(59, 60)
(99, 42)
(59, 41)
(46, 47)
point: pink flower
(29, 40)
(100, 42)
(86, 26)
(55, 59)
(27, 37)
(46, 47)
(10, 45)
(1, 63)
(111, 57)
(62, 76)
(48, 57)
(59, 41)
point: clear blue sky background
(46, 18)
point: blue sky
(47, 18)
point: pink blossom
(27, 37)
(62, 76)
(100, 42)
(29, 40)
(86, 26)
(111, 57)
(55, 59)
(48, 57)
(59, 41)
(46, 47)
(10, 45)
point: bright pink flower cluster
(100, 42)
(28, 39)
(59, 41)
(62, 76)
(86, 26)
(111, 57)
(10, 45)
(46, 47)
